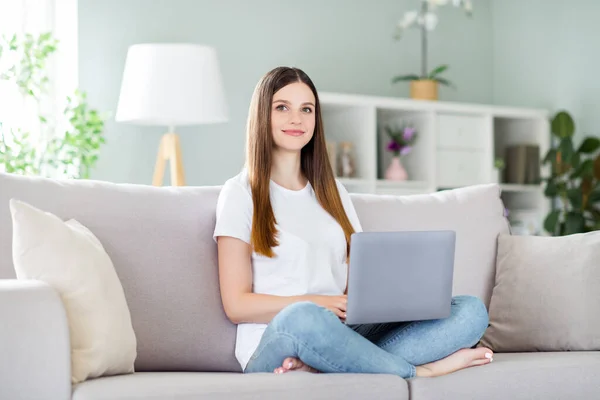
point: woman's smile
(293, 132)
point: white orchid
(426, 20)
(410, 17)
(430, 20)
(426, 17)
(438, 3)
(468, 6)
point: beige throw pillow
(67, 256)
(546, 295)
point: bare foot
(463, 358)
(293, 364)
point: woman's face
(293, 117)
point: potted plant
(574, 182)
(424, 86)
(401, 143)
(499, 166)
(66, 146)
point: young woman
(283, 229)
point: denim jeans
(316, 336)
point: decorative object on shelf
(533, 171)
(424, 86)
(396, 171)
(171, 84)
(347, 161)
(64, 145)
(499, 166)
(523, 164)
(401, 143)
(574, 180)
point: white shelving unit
(456, 145)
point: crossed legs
(309, 337)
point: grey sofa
(160, 241)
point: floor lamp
(172, 85)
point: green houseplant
(574, 181)
(424, 85)
(65, 147)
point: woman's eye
(307, 109)
(280, 107)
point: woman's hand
(336, 304)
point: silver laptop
(400, 276)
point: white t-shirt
(310, 258)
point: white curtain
(59, 17)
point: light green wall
(344, 45)
(546, 54)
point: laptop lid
(400, 276)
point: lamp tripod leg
(169, 150)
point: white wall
(344, 45)
(546, 54)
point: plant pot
(395, 171)
(424, 89)
(497, 176)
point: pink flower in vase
(401, 140)
(394, 147)
(405, 150)
(409, 133)
(398, 149)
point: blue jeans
(316, 336)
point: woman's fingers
(343, 303)
(338, 312)
(341, 314)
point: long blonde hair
(314, 161)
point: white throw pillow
(68, 257)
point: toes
(290, 363)
(280, 370)
(486, 351)
(481, 361)
(488, 355)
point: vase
(395, 171)
(424, 89)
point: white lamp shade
(171, 85)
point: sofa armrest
(35, 355)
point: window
(20, 113)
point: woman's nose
(295, 117)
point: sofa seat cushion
(516, 376)
(215, 386)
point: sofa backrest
(476, 213)
(160, 242)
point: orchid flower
(427, 20)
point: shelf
(354, 181)
(383, 186)
(509, 187)
(456, 146)
(356, 99)
(382, 183)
